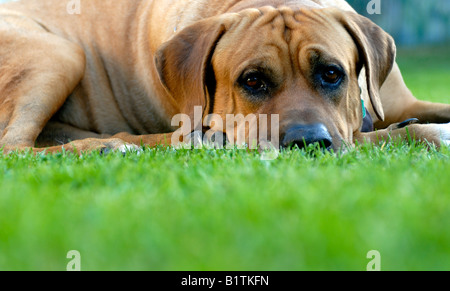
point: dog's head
(300, 65)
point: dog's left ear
(184, 62)
(376, 50)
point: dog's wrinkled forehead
(274, 34)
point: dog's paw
(444, 133)
(431, 134)
(404, 124)
(210, 139)
(130, 148)
(437, 134)
(104, 146)
(194, 140)
(118, 145)
(215, 139)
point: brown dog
(118, 71)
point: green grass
(228, 210)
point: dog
(112, 75)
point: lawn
(228, 210)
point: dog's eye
(254, 83)
(331, 76)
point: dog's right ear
(184, 62)
(377, 52)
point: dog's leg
(151, 140)
(57, 137)
(428, 112)
(38, 71)
(399, 104)
(57, 134)
(437, 134)
(122, 142)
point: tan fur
(119, 71)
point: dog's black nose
(304, 135)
